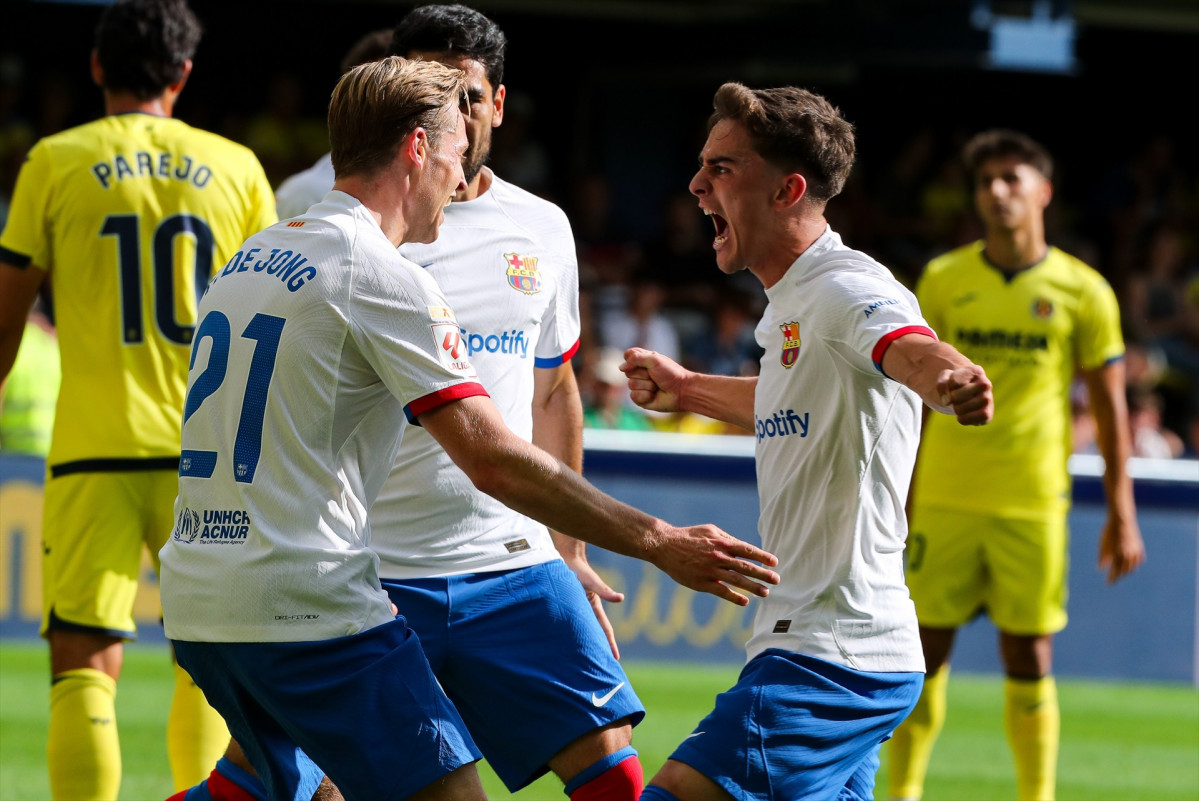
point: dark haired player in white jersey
(834, 661)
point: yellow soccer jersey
(131, 214)
(1030, 333)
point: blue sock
(599, 767)
(653, 792)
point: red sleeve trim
(441, 397)
(885, 342)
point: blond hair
(376, 105)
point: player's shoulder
(528, 210)
(1068, 266)
(833, 267)
(957, 260)
(212, 142)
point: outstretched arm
(558, 430)
(1121, 548)
(944, 379)
(527, 479)
(661, 385)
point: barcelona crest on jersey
(790, 343)
(522, 273)
(1042, 308)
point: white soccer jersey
(506, 262)
(298, 192)
(836, 443)
(314, 342)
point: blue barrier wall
(1144, 627)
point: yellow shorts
(959, 565)
(93, 531)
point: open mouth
(721, 225)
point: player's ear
(416, 147)
(177, 86)
(1046, 193)
(792, 190)
(97, 70)
(501, 93)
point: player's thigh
(1028, 561)
(795, 727)
(366, 708)
(528, 666)
(945, 567)
(284, 769)
(93, 531)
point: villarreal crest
(1042, 308)
(790, 343)
(522, 273)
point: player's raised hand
(706, 559)
(966, 391)
(654, 379)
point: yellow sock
(911, 747)
(83, 752)
(1033, 722)
(196, 734)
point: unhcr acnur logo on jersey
(218, 526)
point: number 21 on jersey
(264, 330)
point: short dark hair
(376, 105)
(453, 29)
(142, 45)
(371, 47)
(1004, 143)
(794, 129)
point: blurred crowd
(1135, 220)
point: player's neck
(1015, 250)
(478, 185)
(798, 233)
(122, 103)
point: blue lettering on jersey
(219, 526)
(145, 164)
(287, 266)
(878, 304)
(782, 423)
(514, 341)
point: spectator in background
(1165, 315)
(29, 395)
(516, 153)
(640, 322)
(114, 458)
(1150, 439)
(727, 345)
(608, 258)
(606, 395)
(994, 536)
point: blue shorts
(522, 657)
(796, 727)
(365, 709)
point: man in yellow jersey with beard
(128, 217)
(988, 505)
